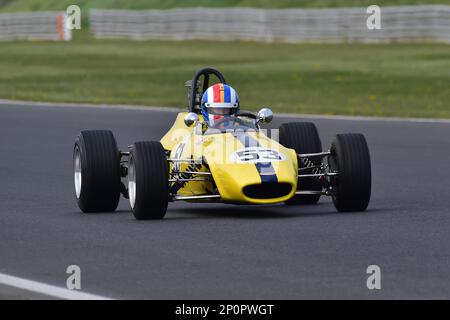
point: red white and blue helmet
(219, 101)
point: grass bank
(406, 80)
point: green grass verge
(407, 80)
(32, 5)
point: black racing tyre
(96, 160)
(148, 180)
(303, 137)
(350, 157)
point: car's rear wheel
(303, 137)
(96, 163)
(148, 180)
(350, 157)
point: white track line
(6, 102)
(47, 290)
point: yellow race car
(233, 161)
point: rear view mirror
(265, 115)
(190, 119)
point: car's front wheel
(148, 180)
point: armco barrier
(50, 25)
(404, 23)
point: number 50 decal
(256, 154)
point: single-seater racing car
(217, 153)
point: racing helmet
(219, 101)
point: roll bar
(194, 104)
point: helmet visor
(220, 111)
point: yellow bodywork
(230, 174)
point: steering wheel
(246, 114)
(233, 122)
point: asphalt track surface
(215, 251)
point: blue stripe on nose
(266, 170)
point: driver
(218, 102)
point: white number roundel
(256, 154)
